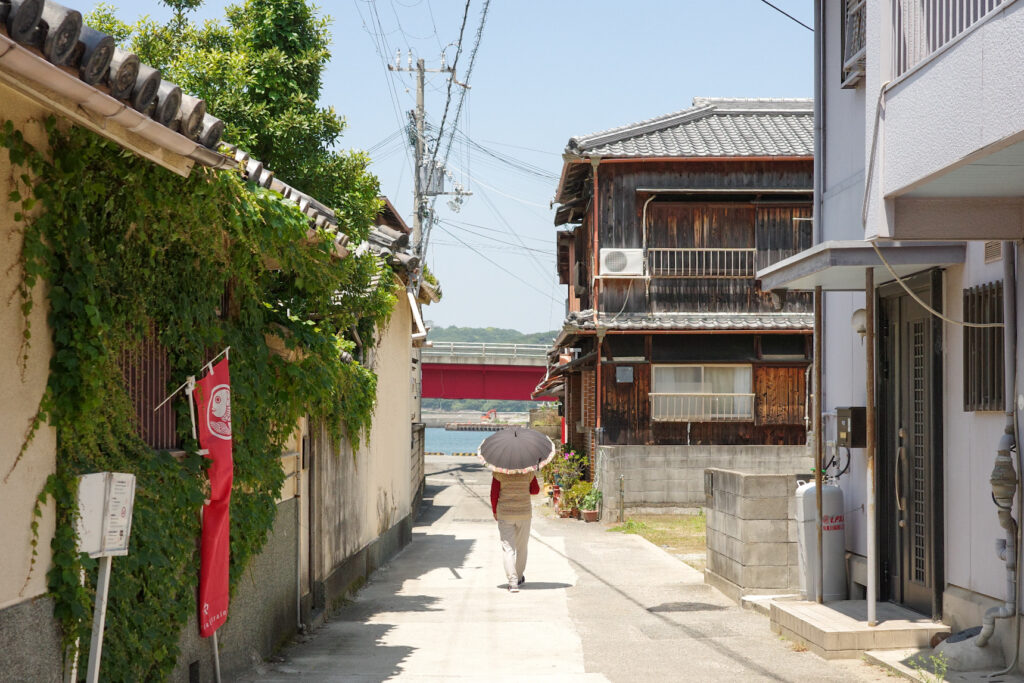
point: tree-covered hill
(490, 334)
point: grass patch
(678, 534)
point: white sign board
(105, 502)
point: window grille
(147, 373)
(702, 393)
(983, 348)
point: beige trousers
(514, 536)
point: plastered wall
(21, 387)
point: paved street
(597, 606)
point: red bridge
(507, 372)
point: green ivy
(125, 247)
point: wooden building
(668, 340)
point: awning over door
(840, 265)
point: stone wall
(751, 533)
(667, 478)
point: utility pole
(421, 175)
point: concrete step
(762, 603)
(839, 630)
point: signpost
(105, 502)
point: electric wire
(919, 300)
(489, 229)
(547, 252)
(496, 264)
(788, 15)
(494, 209)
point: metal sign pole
(98, 617)
(216, 658)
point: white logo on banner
(219, 412)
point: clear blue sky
(545, 71)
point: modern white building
(920, 173)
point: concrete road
(596, 606)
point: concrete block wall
(751, 533)
(667, 478)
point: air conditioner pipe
(1004, 476)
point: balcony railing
(703, 263)
(485, 349)
(702, 407)
(922, 27)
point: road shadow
(537, 586)
(686, 607)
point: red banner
(213, 402)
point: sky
(545, 71)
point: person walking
(510, 503)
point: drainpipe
(595, 296)
(1004, 477)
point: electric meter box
(851, 427)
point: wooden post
(819, 590)
(869, 446)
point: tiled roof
(584, 320)
(712, 127)
(49, 48)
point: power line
(788, 15)
(498, 265)
(547, 252)
(448, 97)
(469, 72)
(488, 229)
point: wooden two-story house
(668, 341)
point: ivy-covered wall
(120, 247)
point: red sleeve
(534, 487)
(495, 492)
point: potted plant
(589, 505)
(572, 498)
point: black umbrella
(516, 449)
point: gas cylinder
(833, 541)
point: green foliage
(631, 526)
(566, 468)
(573, 498)
(931, 668)
(591, 500)
(261, 72)
(491, 334)
(126, 247)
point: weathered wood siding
(764, 223)
(779, 403)
(780, 394)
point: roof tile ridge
(611, 135)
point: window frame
(713, 415)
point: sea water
(440, 440)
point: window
(853, 42)
(702, 393)
(983, 348)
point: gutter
(91, 108)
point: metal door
(910, 446)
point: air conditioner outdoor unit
(622, 262)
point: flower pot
(576, 513)
(589, 515)
(564, 513)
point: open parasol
(516, 449)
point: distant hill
(490, 334)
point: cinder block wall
(660, 478)
(751, 533)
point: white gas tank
(833, 541)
